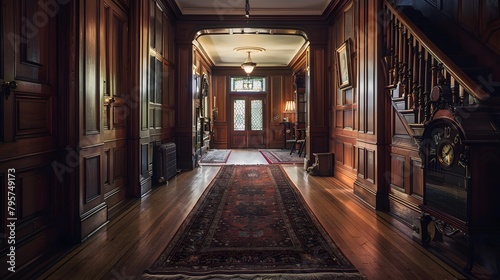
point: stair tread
(407, 111)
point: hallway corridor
(137, 235)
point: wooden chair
(299, 140)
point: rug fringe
(298, 276)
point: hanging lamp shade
(248, 65)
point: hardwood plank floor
(135, 238)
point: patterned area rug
(251, 223)
(215, 157)
(281, 156)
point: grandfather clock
(460, 149)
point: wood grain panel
(106, 173)
(339, 119)
(348, 154)
(238, 141)
(119, 163)
(144, 159)
(256, 139)
(106, 117)
(362, 163)
(118, 51)
(371, 166)
(169, 85)
(91, 73)
(220, 94)
(158, 118)
(92, 166)
(35, 37)
(151, 118)
(399, 128)
(220, 134)
(36, 194)
(119, 116)
(318, 116)
(278, 98)
(33, 116)
(417, 175)
(397, 172)
(339, 152)
(185, 96)
(348, 119)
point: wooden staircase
(418, 57)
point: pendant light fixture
(248, 65)
(247, 9)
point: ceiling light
(248, 65)
(247, 9)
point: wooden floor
(134, 238)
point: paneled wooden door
(248, 121)
(28, 132)
(115, 91)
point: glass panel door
(248, 129)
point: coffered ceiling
(280, 45)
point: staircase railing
(415, 65)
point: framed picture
(344, 65)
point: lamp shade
(248, 65)
(290, 106)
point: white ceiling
(279, 50)
(281, 45)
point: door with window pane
(247, 125)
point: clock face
(444, 149)
(446, 154)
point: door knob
(6, 87)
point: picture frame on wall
(344, 65)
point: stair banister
(458, 75)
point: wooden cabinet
(461, 155)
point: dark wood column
(317, 126)
(138, 103)
(370, 183)
(184, 129)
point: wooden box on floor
(323, 166)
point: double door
(248, 128)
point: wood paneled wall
(31, 213)
(358, 113)
(373, 151)
(344, 119)
(126, 103)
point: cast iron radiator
(164, 162)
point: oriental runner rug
(251, 223)
(215, 157)
(281, 157)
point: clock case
(464, 196)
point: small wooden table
(287, 126)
